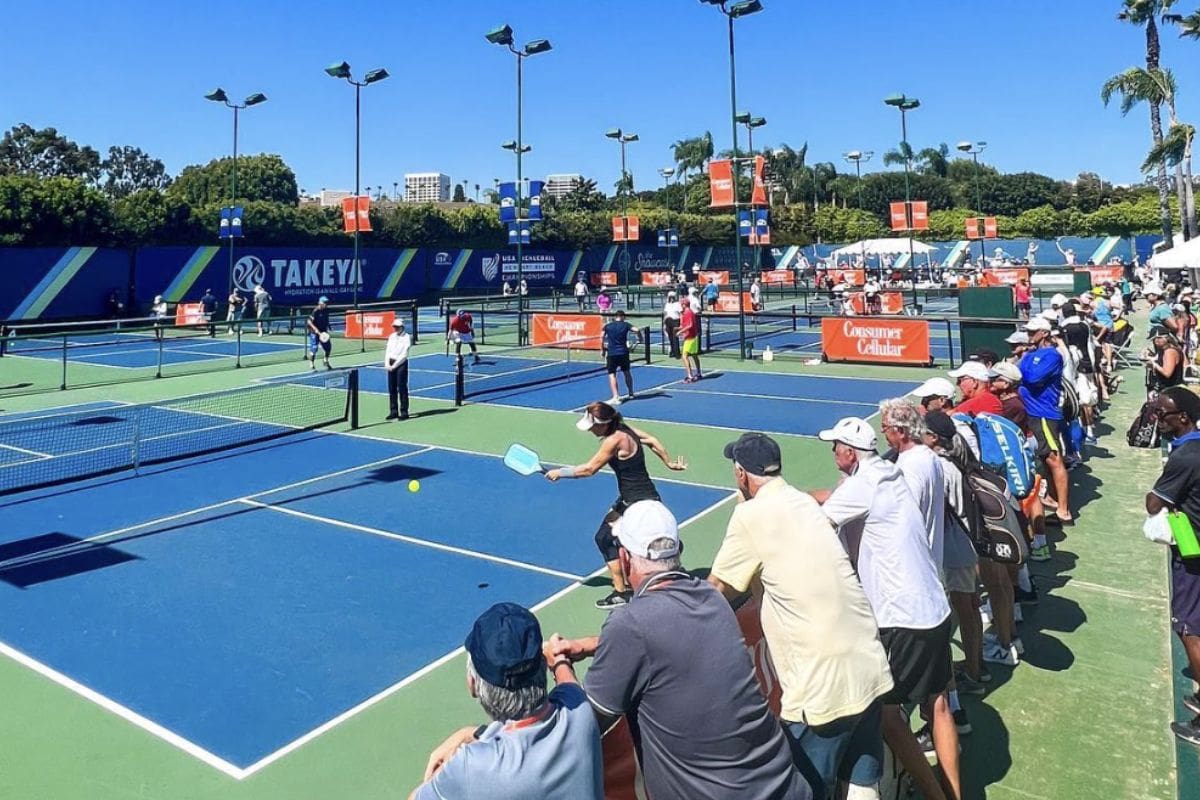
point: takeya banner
(1004, 276)
(356, 214)
(720, 178)
(982, 228)
(758, 195)
(889, 303)
(778, 277)
(876, 341)
(369, 324)
(727, 302)
(664, 278)
(1103, 275)
(577, 331)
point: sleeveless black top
(1157, 381)
(633, 480)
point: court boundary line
(35, 453)
(690, 390)
(377, 698)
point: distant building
(332, 197)
(559, 186)
(426, 187)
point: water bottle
(768, 356)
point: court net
(55, 448)
(512, 370)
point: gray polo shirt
(674, 663)
(556, 758)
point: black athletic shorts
(614, 363)
(920, 662)
(1047, 432)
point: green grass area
(1085, 716)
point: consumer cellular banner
(876, 341)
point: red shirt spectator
(974, 382)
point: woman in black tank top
(623, 450)
(1165, 368)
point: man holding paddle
(318, 332)
(622, 449)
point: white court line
(461, 551)
(26, 452)
(291, 747)
(690, 390)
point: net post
(707, 334)
(63, 385)
(459, 380)
(795, 321)
(646, 342)
(158, 367)
(482, 333)
(415, 318)
(352, 399)
(237, 363)
(362, 332)
(447, 334)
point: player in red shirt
(461, 333)
(975, 383)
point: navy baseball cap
(757, 453)
(505, 645)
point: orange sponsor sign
(1005, 276)
(727, 302)
(854, 277)
(189, 314)
(604, 278)
(657, 279)
(356, 213)
(876, 341)
(899, 215)
(778, 277)
(633, 228)
(720, 179)
(618, 225)
(758, 195)
(718, 276)
(920, 215)
(1103, 275)
(369, 325)
(581, 331)
(990, 229)
(889, 303)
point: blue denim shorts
(848, 749)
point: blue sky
(1022, 74)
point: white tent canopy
(1186, 254)
(879, 247)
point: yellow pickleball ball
(414, 486)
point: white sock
(954, 704)
(1023, 574)
(1090, 430)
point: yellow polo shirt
(815, 617)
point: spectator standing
(604, 301)
(900, 578)
(523, 287)
(1160, 310)
(815, 617)
(756, 302)
(975, 384)
(581, 292)
(1024, 297)
(673, 663)
(114, 306)
(159, 312)
(672, 315)
(237, 307)
(904, 431)
(711, 293)
(536, 745)
(1178, 489)
(395, 363)
(1041, 389)
(262, 309)
(689, 331)
(208, 310)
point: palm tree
(692, 154)
(898, 156)
(785, 169)
(1189, 26)
(1145, 14)
(1158, 88)
(935, 160)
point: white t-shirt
(694, 302)
(923, 473)
(895, 565)
(580, 289)
(672, 309)
(755, 293)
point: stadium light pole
(858, 158)
(218, 96)
(751, 123)
(973, 149)
(743, 8)
(625, 189)
(341, 71)
(667, 173)
(503, 36)
(906, 104)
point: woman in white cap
(622, 449)
(159, 312)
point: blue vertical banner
(231, 223)
(668, 237)
(761, 222)
(508, 202)
(662, 238)
(518, 232)
(535, 199)
(745, 224)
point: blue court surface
(141, 350)
(806, 341)
(235, 603)
(741, 400)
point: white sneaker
(996, 653)
(990, 639)
(614, 401)
(985, 613)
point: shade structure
(880, 247)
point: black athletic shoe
(961, 722)
(1025, 598)
(1187, 731)
(392, 416)
(1192, 702)
(403, 417)
(614, 600)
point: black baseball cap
(505, 645)
(757, 453)
(941, 424)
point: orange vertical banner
(618, 224)
(920, 215)
(899, 216)
(720, 178)
(973, 231)
(758, 196)
(349, 215)
(990, 229)
(633, 228)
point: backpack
(1070, 401)
(1002, 450)
(995, 524)
(1144, 430)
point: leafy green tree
(53, 212)
(692, 154)
(147, 216)
(129, 169)
(261, 177)
(1042, 222)
(460, 194)
(46, 153)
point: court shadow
(433, 412)
(986, 758)
(13, 386)
(51, 556)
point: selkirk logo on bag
(1002, 449)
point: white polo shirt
(923, 473)
(398, 345)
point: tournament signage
(876, 341)
(657, 279)
(578, 331)
(369, 325)
(720, 178)
(718, 276)
(727, 302)
(1005, 276)
(778, 277)
(1103, 275)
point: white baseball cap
(1049, 315)
(1038, 324)
(934, 387)
(398, 322)
(970, 369)
(1058, 299)
(1018, 337)
(1006, 370)
(1152, 288)
(851, 431)
(644, 522)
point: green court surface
(1084, 716)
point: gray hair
(649, 566)
(901, 414)
(504, 705)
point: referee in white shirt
(395, 362)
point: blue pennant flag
(231, 223)
(508, 202)
(673, 237)
(744, 223)
(662, 238)
(518, 233)
(535, 199)
(762, 228)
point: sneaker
(1192, 702)
(1030, 598)
(992, 639)
(314, 365)
(985, 612)
(961, 722)
(614, 600)
(614, 401)
(328, 365)
(630, 396)
(392, 416)
(984, 675)
(965, 684)
(1092, 440)
(996, 653)
(925, 741)
(1037, 554)
(1187, 731)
